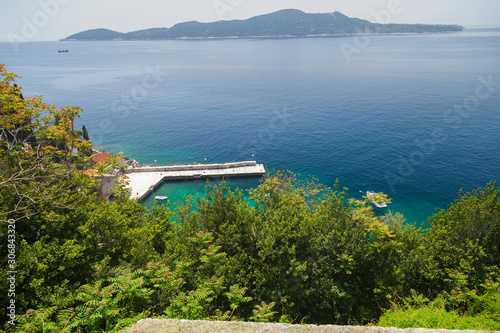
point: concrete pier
(143, 181)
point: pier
(144, 180)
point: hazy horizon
(51, 20)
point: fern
(263, 312)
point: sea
(414, 116)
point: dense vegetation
(301, 253)
(289, 22)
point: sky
(49, 20)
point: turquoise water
(177, 190)
(391, 119)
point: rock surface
(201, 326)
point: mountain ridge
(283, 23)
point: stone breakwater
(191, 167)
(201, 326)
(144, 180)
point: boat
(63, 51)
(373, 199)
(158, 197)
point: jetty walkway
(144, 180)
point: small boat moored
(160, 198)
(374, 199)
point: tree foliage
(37, 144)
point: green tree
(464, 237)
(30, 175)
(302, 247)
(85, 134)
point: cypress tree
(85, 133)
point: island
(280, 24)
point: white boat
(372, 196)
(160, 198)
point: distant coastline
(269, 37)
(288, 23)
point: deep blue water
(391, 119)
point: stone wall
(191, 167)
(201, 326)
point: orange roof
(100, 157)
